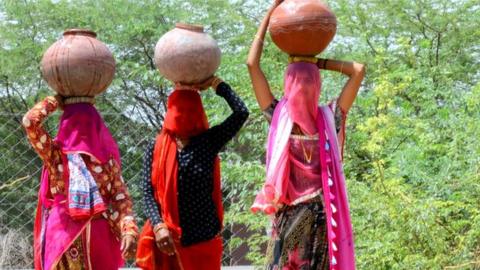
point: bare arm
(259, 81)
(355, 71)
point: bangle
(129, 228)
(325, 63)
(216, 81)
(131, 234)
(159, 226)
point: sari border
(54, 264)
(87, 244)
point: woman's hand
(164, 241)
(213, 82)
(128, 246)
(201, 86)
(205, 84)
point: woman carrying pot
(181, 180)
(305, 189)
(84, 217)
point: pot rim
(191, 27)
(80, 31)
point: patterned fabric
(338, 232)
(84, 199)
(150, 206)
(73, 259)
(185, 118)
(107, 175)
(198, 214)
(55, 230)
(299, 238)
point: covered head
(82, 130)
(302, 91)
(185, 116)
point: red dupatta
(185, 118)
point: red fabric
(202, 256)
(149, 256)
(185, 118)
(185, 115)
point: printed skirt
(299, 238)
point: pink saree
(277, 190)
(59, 219)
(55, 231)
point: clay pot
(302, 27)
(78, 64)
(187, 55)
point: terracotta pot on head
(302, 27)
(78, 65)
(187, 55)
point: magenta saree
(278, 191)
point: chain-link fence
(19, 181)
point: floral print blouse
(107, 176)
